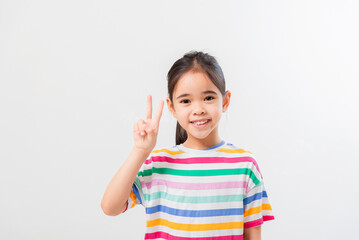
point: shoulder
(234, 149)
(166, 151)
(162, 153)
(242, 154)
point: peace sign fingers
(145, 131)
(157, 118)
(149, 107)
(155, 121)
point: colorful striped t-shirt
(200, 194)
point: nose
(198, 112)
(199, 109)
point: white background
(75, 75)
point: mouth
(200, 123)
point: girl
(203, 187)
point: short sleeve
(136, 196)
(256, 206)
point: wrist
(141, 152)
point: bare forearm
(119, 189)
(253, 233)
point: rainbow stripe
(210, 194)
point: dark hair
(194, 61)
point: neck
(201, 143)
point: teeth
(199, 123)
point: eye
(184, 101)
(209, 98)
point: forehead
(194, 83)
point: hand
(145, 131)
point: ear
(226, 101)
(171, 107)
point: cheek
(177, 112)
(217, 112)
(216, 109)
(182, 116)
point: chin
(200, 136)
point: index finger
(158, 115)
(149, 107)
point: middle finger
(149, 107)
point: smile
(201, 123)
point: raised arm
(145, 132)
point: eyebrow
(204, 92)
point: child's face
(197, 99)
